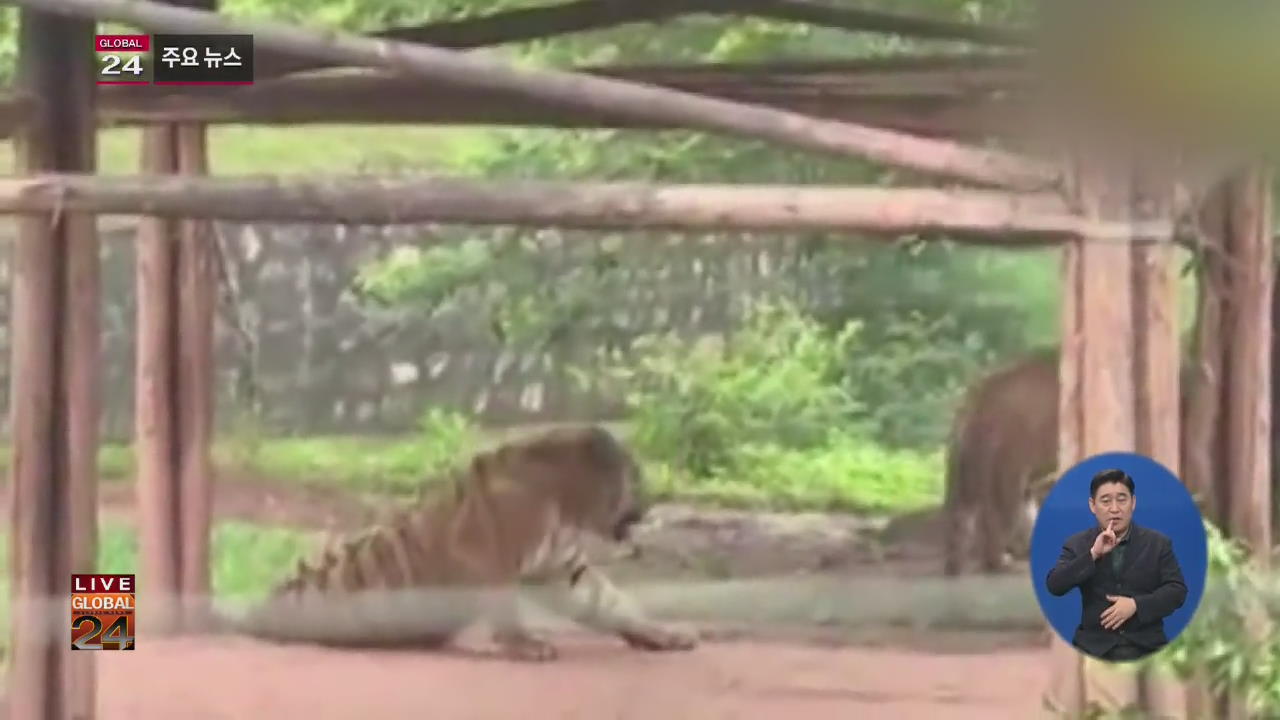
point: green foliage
(763, 420)
(910, 376)
(847, 474)
(359, 15)
(775, 380)
(445, 438)
(247, 559)
(428, 277)
(1224, 638)
(506, 281)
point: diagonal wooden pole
(935, 157)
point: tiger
(515, 517)
(1001, 457)
(1002, 461)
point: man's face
(1113, 504)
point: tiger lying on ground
(515, 515)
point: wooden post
(1119, 373)
(1066, 683)
(176, 291)
(1157, 375)
(154, 427)
(1233, 393)
(1248, 416)
(54, 389)
(1205, 430)
(176, 295)
(1105, 356)
(196, 300)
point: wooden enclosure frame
(922, 115)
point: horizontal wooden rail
(375, 200)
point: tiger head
(595, 480)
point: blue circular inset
(1162, 503)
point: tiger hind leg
(993, 541)
(962, 527)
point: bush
(775, 382)
(1222, 641)
(847, 474)
(444, 436)
(765, 419)
(909, 375)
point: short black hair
(1113, 475)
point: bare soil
(750, 674)
(594, 679)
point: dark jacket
(1150, 574)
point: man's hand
(1122, 608)
(1104, 543)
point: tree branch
(533, 23)
(372, 200)
(586, 92)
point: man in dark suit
(1128, 576)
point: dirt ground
(594, 679)
(749, 674)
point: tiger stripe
(530, 501)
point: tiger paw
(661, 638)
(525, 648)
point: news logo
(174, 59)
(203, 59)
(123, 59)
(102, 612)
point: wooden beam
(954, 97)
(532, 23)
(54, 381)
(367, 199)
(935, 157)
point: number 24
(132, 65)
(118, 629)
